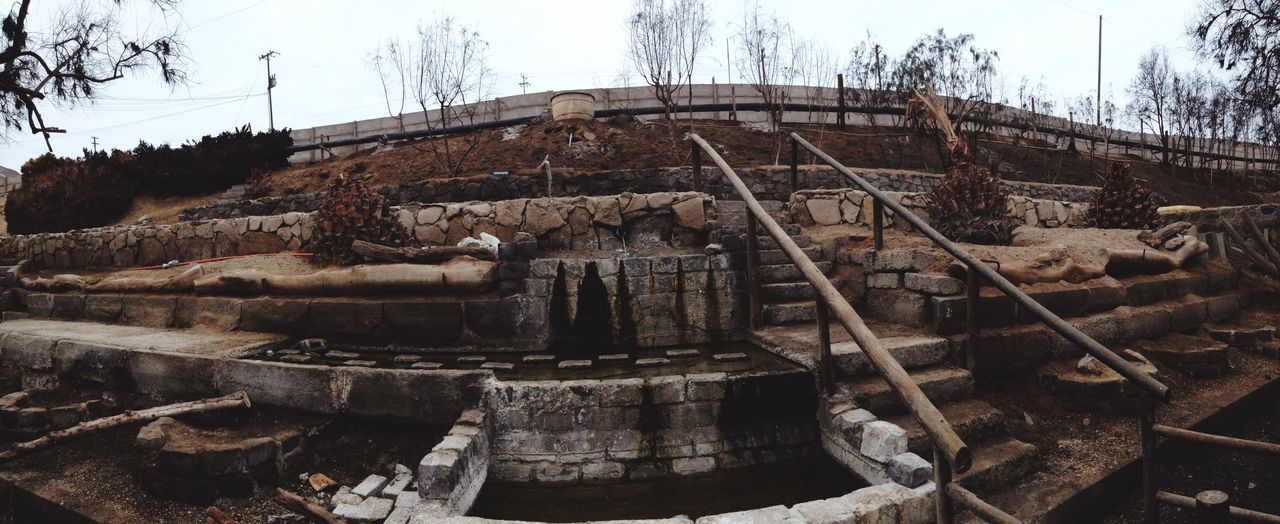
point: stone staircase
(785, 296)
(234, 193)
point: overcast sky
(324, 75)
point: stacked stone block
(829, 207)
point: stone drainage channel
(726, 421)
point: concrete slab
(189, 341)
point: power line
(220, 17)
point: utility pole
(271, 83)
(95, 144)
(1099, 118)
(524, 84)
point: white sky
(324, 76)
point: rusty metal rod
(978, 506)
(1056, 323)
(939, 430)
(1217, 440)
(1247, 515)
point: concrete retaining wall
(1050, 128)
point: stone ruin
(613, 341)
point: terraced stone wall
(848, 206)
(578, 223)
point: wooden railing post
(1150, 463)
(973, 286)
(826, 372)
(795, 164)
(946, 512)
(753, 272)
(877, 222)
(1212, 507)
(840, 100)
(696, 163)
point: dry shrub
(1123, 203)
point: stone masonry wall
(768, 183)
(652, 301)
(581, 223)
(848, 206)
(642, 428)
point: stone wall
(848, 206)
(636, 429)
(581, 223)
(450, 477)
(768, 183)
(650, 301)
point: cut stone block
(370, 485)
(910, 470)
(881, 441)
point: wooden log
(462, 274)
(420, 255)
(1269, 249)
(306, 508)
(1154, 262)
(216, 516)
(1034, 273)
(183, 282)
(1158, 237)
(1259, 260)
(234, 400)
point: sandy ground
(164, 209)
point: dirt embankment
(624, 143)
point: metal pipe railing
(1056, 323)
(945, 439)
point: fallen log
(216, 516)
(420, 255)
(1154, 262)
(181, 283)
(306, 508)
(1158, 237)
(234, 400)
(1034, 273)
(1265, 265)
(463, 274)
(1270, 250)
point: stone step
(1202, 357)
(1241, 337)
(940, 385)
(767, 242)
(910, 351)
(974, 420)
(770, 257)
(780, 313)
(1012, 350)
(996, 309)
(997, 463)
(786, 292)
(776, 273)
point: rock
(153, 435)
(429, 215)
(398, 484)
(608, 212)
(690, 213)
(1173, 244)
(1091, 366)
(651, 362)
(371, 510)
(574, 364)
(881, 441)
(320, 481)
(825, 211)
(541, 216)
(910, 470)
(370, 485)
(345, 496)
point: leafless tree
(665, 38)
(765, 59)
(446, 67)
(388, 63)
(65, 63)
(816, 68)
(1151, 92)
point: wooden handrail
(1217, 440)
(978, 506)
(944, 437)
(1056, 323)
(1247, 515)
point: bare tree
(665, 38)
(388, 63)
(1151, 92)
(446, 67)
(765, 59)
(64, 64)
(816, 67)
